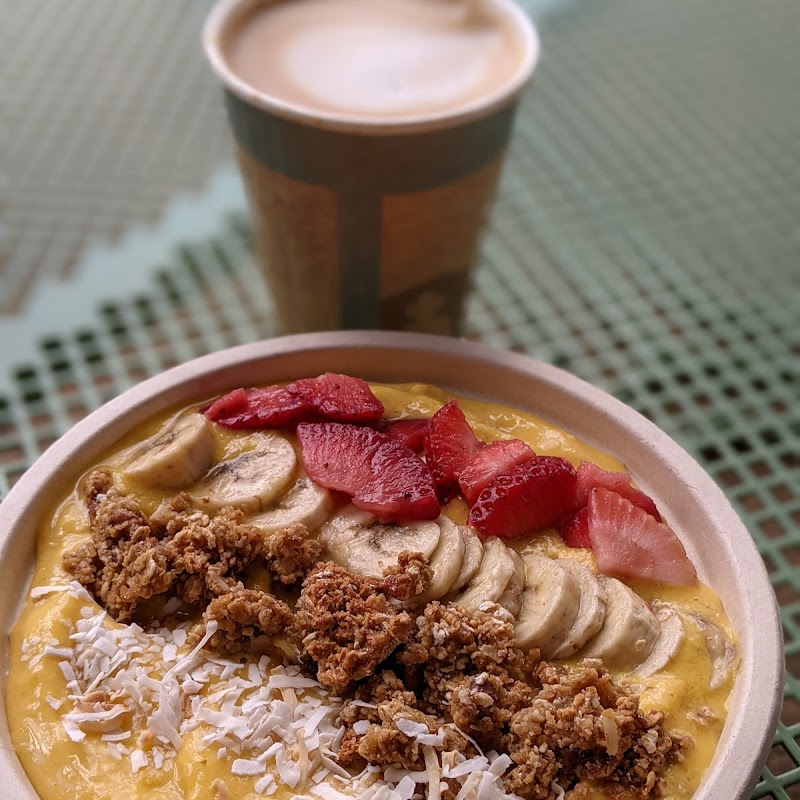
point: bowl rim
(732, 774)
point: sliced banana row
(259, 473)
(563, 609)
(567, 610)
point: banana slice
(446, 559)
(550, 604)
(179, 454)
(251, 480)
(669, 640)
(492, 577)
(354, 539)
(473, 555)
(630, 629)
(305, 503)
(591, 613)
(511, 599)
(721, 649)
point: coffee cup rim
(224, 11)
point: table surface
(646, 236)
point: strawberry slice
(410, 432)
(449, 444)
(591, 476)
(629, 542)
(575, 530)
(333, 397)
(380, 475)
(229, 405)
(533, 495)
(272, 407)
(340, 398)
(491, 460)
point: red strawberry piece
(228, 405)
(449, 444)
(380, 475)
(330, 396)
(591, 476)
(340, 398)
(534, 495)
(629, 542)
(410, 432)
(491, 460)
(272, 407)
(575, 530)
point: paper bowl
(714, 536)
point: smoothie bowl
(379, 565)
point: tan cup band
(362, 170)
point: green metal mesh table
(646, 237)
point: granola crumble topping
(348, 625)
(130, 558)
(416, 691)
(558, 726)
(290, 554)
(243, 615)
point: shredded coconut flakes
(271, 722)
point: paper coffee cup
(364, 222)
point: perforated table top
(646, 237)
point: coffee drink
(375, 59)
(370, 135)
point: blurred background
(646, 235)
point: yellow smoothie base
(61, 769)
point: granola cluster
(350, 624)
(183, 552)
(571, 728)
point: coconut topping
(143, 710)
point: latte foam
(375, 59)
